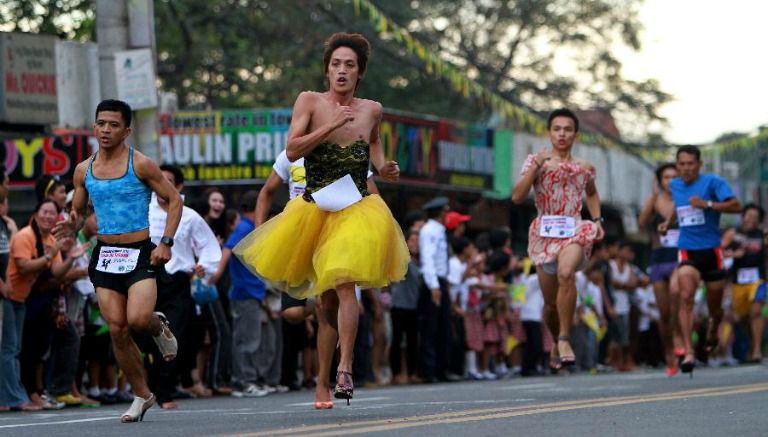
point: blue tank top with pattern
(121, 204)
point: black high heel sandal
(344, 386)
(688, 366)
(565, 360)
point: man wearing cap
(455, 223)
(436, 302)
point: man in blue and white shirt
(699, 201)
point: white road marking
(527, 386)
(387, 405)
(445, 403)
(61, 422)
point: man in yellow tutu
(336, 235)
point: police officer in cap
(435, 302)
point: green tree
(546, 54)
(70, 19)
(730, 136)
(216, 54)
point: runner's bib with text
(690, 216)
(671, 238)
(117, 259)
(748, 275)
(557, 226)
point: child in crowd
(473, 320)
(649, 342)
(590, 322)
(496, 316)
(461, 276)
(624, 284)
(531, 315)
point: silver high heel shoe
(138, 408)
(166, 341)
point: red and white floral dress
(559, 190)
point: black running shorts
(709, 263)
(120, 282)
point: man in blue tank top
(119, 181)
(699, 201)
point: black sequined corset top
(329, 162)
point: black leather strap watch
(168, 241)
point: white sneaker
(253, 391)
(502, 370)
(488, 375)
(282, 389)
(475, 376)
(166, 341)
(269, 389)
(51, 403)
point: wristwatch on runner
(709, 204)
(598, 219)
(168, 241)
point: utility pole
(125, 25)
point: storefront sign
(135, 74)
(241, 146)
(26, 160)
(466, 155)
(412, 142)
(28, 71)
(224, 145)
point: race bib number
(748, 275)
(690, 216)
(298, 191)
(671, 238)
(557, 226)
(117, 259)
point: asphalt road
(723, 401)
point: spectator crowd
(487, 323)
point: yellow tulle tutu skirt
(305, 251)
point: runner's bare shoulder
(372, 104)
(584, 163)
(80, 170)
(372, 107)
(308, 97)
(143, 165)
